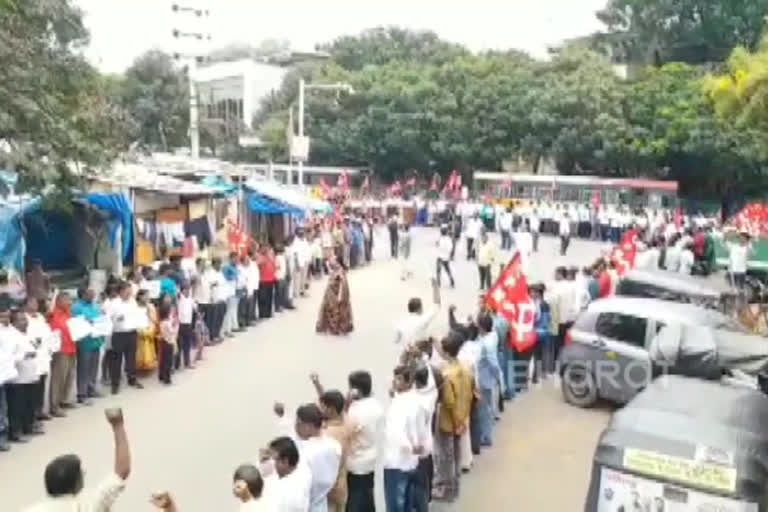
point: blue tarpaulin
(119, 208)
(220, 183)
(260, 203)
(12, 245)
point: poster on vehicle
(622, 492)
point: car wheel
(578, 385)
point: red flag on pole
(366, 185)
(596, 199)
(623, 255)
(509, 296)
(343, 181)
(450, 184)
(678, 217)
(325, 189)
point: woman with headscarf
(336, 311)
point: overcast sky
(123, 29)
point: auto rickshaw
(684, 445)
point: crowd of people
(60, 350)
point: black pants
(564, 243)
(123, 349)
(22, 399)
(166, 362)
(474, 427)
(186, 339)
(470, 248)
(535, 235)
(266, 295)
(393, 243)
(243, 307)
(421, 486)
(521, 364)
(485, 276)
(506, 240)
(360, 493)
(254, 311)
(562, 329)
(368, 250)
(40, 394)
(442, 264)
(219, 311)
(207, 310)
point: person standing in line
(687, 259)
(393, 236)
(452, 419)
(455, 228)
(366, 417)
(534, 223)
(565, 233)
(505, 227)
(402, 441)
(287, 478)
(41, 332)
(88, 348)
(444, 249)
(332, 403)
(65, 479)
(124, 339)
(244, 297)
(368, 235)
(253, 278)
(231, 274)
(267, 279)
(486, 257)
(413, 327)
(106, 306)
(405, 252)
(427, 395)
(203, 292)
(21, 391)
(472, 234)
(302, 256)
(63, 364)
(282, 280)
(8, 371)
(488, 377)
(186, 311)
(168, 332)
(220, 290)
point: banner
(623, 255)
(753, 219)
(509, 296)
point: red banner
(509, 296)
(623, 255)
(753, 219)
(237, 240)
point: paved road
(188, 438)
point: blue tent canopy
(220, 183)
(120, 212)
(260, 203)
(12, 244)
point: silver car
(606, 351)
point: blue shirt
(168, 287)
(230, 272)
(90, 311)
(501, 326)
(488, 370)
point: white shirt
(203, 290)
(686, 261)
(38, 328)
(427, 397)
(404, 431)
(122, 314)
(303, 252)
(737, 258)
(252, 277)
(534, 222)
(474, 228)
(100, 500)
(565, 227)
(291, 492)
(672, 258)
(221, 289)
(322, 454)
(365, 417)
(26, 367)
(281, 266)
(413, 327)
(263, 504)
(444, 248)
(505, 221)
(186, 309)
(469, 355)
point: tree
(693, 31)
(156, 93)
(56, 109)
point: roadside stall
(684, 444)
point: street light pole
(194, 126)
(301, 130)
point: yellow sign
(701, 474)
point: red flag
(509, 296)
(678, 217)
(366, 185)
(596, 199)
(623, 255)
(237, 240)
(753, 219)
(450, 184)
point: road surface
(189, 437)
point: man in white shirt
(405, 434)
(21, 391)
(288, 480)
(8, 370)
(220, 293)
(738, 255)
(203, 294)
(444, 250)
(413, 327)
(124, 338)
(505, 227)
(687, 259)
(472, 233)
(47, 345)
(186, 312)
(302, 252)
(534, 223)
(252, 276)
(486, 257)
(365, 416)
(524, 243)
(321, 454)
(64, 478)
(427, 395)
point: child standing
(186, 306)
(168, 334)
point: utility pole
(301, 130)
(192, 60)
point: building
(231, 92)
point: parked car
(606, 351)
(676, 287)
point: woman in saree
(146, 351)
(336, 311)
